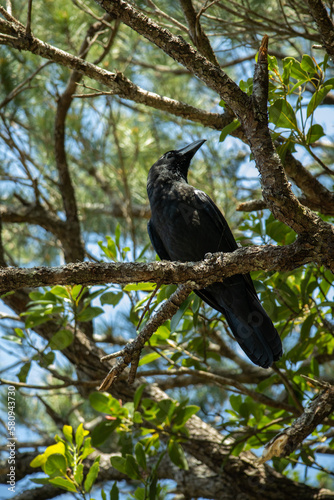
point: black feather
(185, 225)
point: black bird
(185, 225)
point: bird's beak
(191, 149)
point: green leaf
(112, 298)
(272, 64)
(229, 129)
(178, 315)
(36, 295)
(176, 454)
(118, 463)
(117, 235)
(68, 433)
(235, 402)
(41, 480)
(87, 448)
(160, 335)
(12, 338)
(19, 332)
(60, 291)
(148, 358)
(330, 82)
(104, 403)
(36, 319)
(317, 98)
(61, 340)
(103, 430)
(64, 484)
(46, 360)
(131, 468)
(153, 488)
(307, 64)
(92, 475)
(80, 434)
(138, 395)
(287, 65)
(23, 373)
(55, 464)
(135, 287)
(166, 409)
(314, 133)
(89, 313)
(314, 367)
(237, 449)
(246, 86)
(297, 71)
(114, 493)
(140, 494)
(40, 460)
(111, 247)
(78, 291)
(282, 114)
(183, 414)
(140, 455)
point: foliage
(63, 462)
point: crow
(185, 225)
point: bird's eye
(168, 154)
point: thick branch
(198, 36)
(324, 23)
(214, 268)
(316, 194)
(287, 441)
(182, 52)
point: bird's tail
(256, 335)
(248, 321)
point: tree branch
(198, 36)
(275, 186)
(215, 267)
(238, 474)
(324, 23)
(314, 414)
(130, 354)
(117, 82)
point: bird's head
(177, 161)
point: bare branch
(196, 32)
(324, 23)
(117, 82)
(260, 80)
(131, 352)
(28, 26)
(288, 440)
(22, 86)
(215, 267)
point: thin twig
(131, 352)
(28, 26)
(288, 387)
(7, 14)
(147, 307)
(90, 383)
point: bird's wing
(227, 242)
(156, 242)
